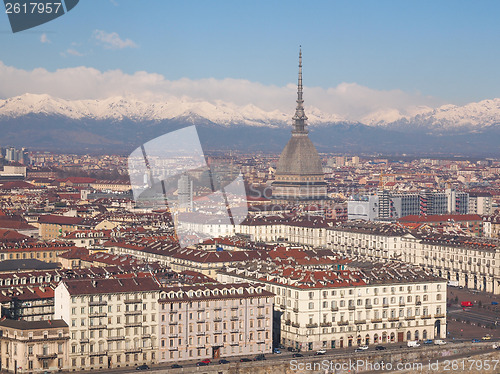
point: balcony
(234, 308)
(351, 307)
(282, 306)
(98, 327)
(146, 336)
(83, 341)
(385, 306)
(173, 323)
(173, 335)
(97, 354)
(260, 306)
(296, 325)
(402, 304)
(261, 316)
(217, 319)
(133, 301)
(377, 320)
(418, 303)
(133, 350)
(234, 331)
(217, 309)
(325, 324)
(97, 315)
(234, 318)
(440, 315)
(368, 306)
(115, 338)
(342, 323)
(360, 322)
(311, 325)
(288, 322)
(200, 333)
(97, 303)
(427, 316)
(48, 356)
(335, 309)
(410, 318)
(295, 310)
(393, 319)
(134, 324)
(133, 313)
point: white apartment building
(214, 321)
(368, 304)
(112, 322)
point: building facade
(368, 304)
(214, 321)
(28, 347)
(112, 322)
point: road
(191, 367)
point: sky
(359, 56)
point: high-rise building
(299, 175)
(185, 192)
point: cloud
(73, 52)
(347, 100)
(112, 40)
(44, 38)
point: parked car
(321, 352)
(204, 362)
(222, 362)
(439, 342)
(298, 355)
(292, 349)
(380, 348)
(412, 344)
(476, 340)
(260, 357)
(494, 303)
(363, 347)
(428, 341)
(495, 346)
(176, 366)
(487, 337)
(276, 351)
(244, 359)
(142, 367)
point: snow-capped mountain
(119, 108)
(472, 117)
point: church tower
(299, 177)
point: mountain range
(119, 124)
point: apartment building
(112, 322)
(368, 303)
(39, 346)
(214, 321)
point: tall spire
(300, 117)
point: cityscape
(188, 220)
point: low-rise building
(215, 321)
(112, 322)
(37, 346)
(364, 304)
